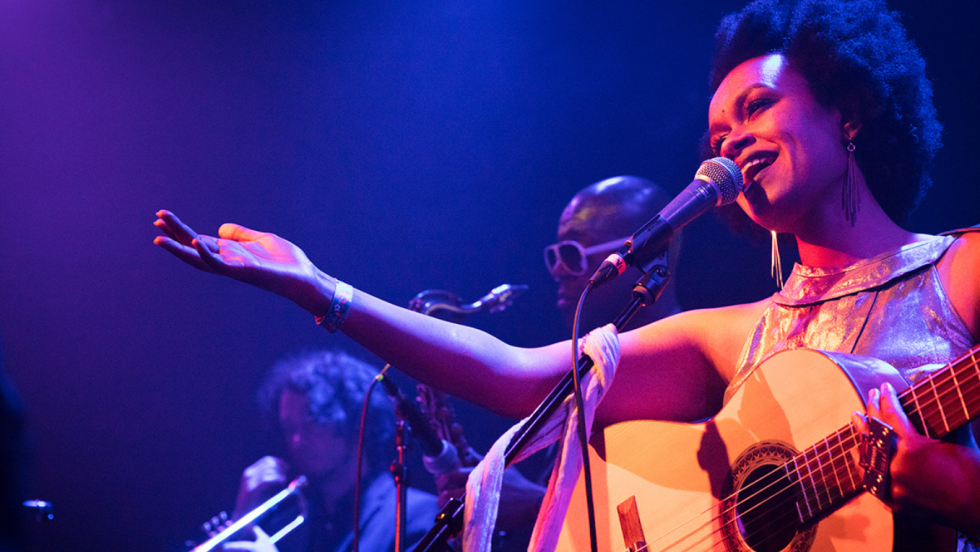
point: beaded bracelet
(339, 307)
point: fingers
(162, 226)
(269, 464)
(262, 543)
(885, 404)
(888, 401)
(237, 232)
(179, 240)
(239, 546)
(185, 253)
(169, 224)
(874, 402)
(860, 423)
(261, 536)
(174, 228)
(204, 251)
(268, 470)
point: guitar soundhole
(766, 512)
(760, 512)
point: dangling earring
(777, 264)
(850, 197)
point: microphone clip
(644, 250)
(655, 278)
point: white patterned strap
(485, 481)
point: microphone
(717, 182)
(438, 455)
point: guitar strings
(845, 444)
(850, 441)
(912, 405)
(948, 373)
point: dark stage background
(403, 147)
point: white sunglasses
(573, 257)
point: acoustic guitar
(774, 470)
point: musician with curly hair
(314, 401)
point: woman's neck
(841, 244)
(826, 238)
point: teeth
(749, 171)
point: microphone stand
(399, 470)
(449, 521)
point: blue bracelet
(339, 307)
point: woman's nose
(736, 142)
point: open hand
(261, 259)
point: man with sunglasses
(595, 223)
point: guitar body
(684, 476)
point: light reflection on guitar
(773, 470)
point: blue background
(403, 146)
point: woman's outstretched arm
(665, 359)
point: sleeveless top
(892, 307)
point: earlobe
(849, 130)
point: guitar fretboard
(947, 399)
(826, 474)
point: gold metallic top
(892, 307)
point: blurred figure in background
(596, 222)
(827, 111)
(315, 400)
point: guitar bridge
(629, 520)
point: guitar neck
(947, 398)
(827, 474)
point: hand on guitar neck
(919, 463)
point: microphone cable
(582, 433)
(360, 457)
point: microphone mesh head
(725, 174)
